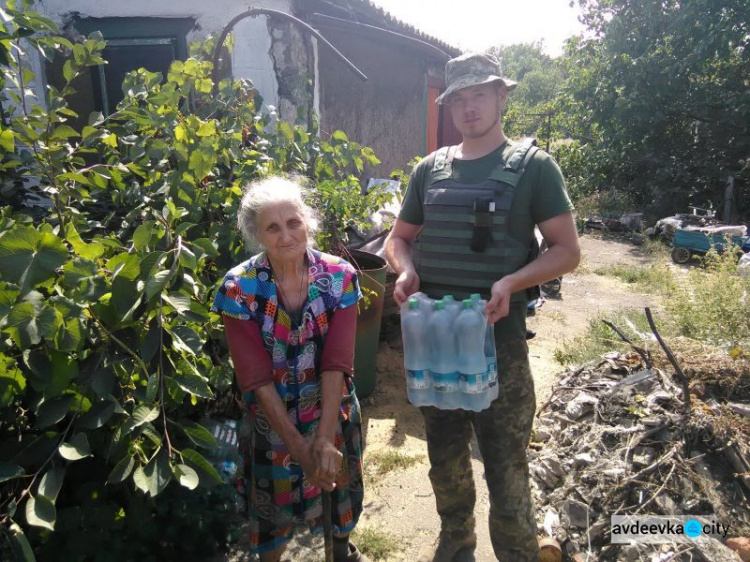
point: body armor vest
(443, 254)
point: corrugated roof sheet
(364, 11)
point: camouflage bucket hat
(472, 70)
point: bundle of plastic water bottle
(449, 353)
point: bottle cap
(439, 305)
(475, 297)
(467, 303)
(448, 298)
(413, 303)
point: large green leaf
(121, 470)
(193, 383)
(76, 449)
(70, 334)
(51, 483)
(155, 476)
(64, 371)
(157, 283)
(52, 411)
(199, 435)
(186, 476)
(31, 320)
(82, 278)
(97, 415)
(64, 132)
(142, 235)
(144, 414)
(199, 462)
(178, 301)
(91, 251)
(40, 512)
(29, 256)
(186, 340)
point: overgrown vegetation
(109, 354)
(599, 339)
(709, 304)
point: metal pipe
(254, 12)
(435, 50)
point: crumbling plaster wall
(294, 63)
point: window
(132, 43)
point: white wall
(252, 42)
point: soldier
(466, 226)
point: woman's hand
(327, 462)
(321, 461)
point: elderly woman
(290, 316)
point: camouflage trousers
(503, 432)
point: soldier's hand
(499, 304)
(406, 285)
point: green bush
(108, 353)
(711, 304)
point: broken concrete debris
(614, 440)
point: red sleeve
(252, 364)
(338, 349)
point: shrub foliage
(109, 353)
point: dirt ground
(400, 503)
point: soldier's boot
(449, 548)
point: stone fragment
(575, 513)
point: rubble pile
(615, 438)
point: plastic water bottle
(416, 354)
(490, 353)
(452, 305)
(470, 328)
(443, 367)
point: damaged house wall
(388, 112)
(293, 60)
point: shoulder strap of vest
(442, 168)
(512, 169)
(522, 153)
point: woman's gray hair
(262, 194)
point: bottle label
(471, 383)
(418, 379)
(448, 382)
(492, 370)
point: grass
(657, 279)
(655, 247)
(376, 544)
(600, 339)
(383, 462)
(708, 305)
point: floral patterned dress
(279, 495)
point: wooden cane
(327, 526)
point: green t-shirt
(539, 196)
